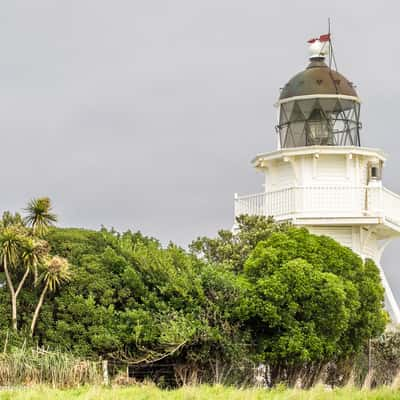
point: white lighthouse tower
(320, 177)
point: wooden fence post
(106, 380)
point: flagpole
(330, 43)
(331, 51)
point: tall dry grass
(30, 366)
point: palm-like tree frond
(11, 239)
(33, 252)
(39, 215)
(56, 272)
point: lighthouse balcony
(319, 205)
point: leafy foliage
(39, 215)
(310, 292)
(310, 298)
(130, 298)
(268, 292)
(231, 248)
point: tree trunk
(36, 276)
(13, 295)
(37, 310)
(14, 311)
(21, 284)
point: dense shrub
(268, 293)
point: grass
(195, 393)
(27, 367)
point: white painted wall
(342, 234)
(316, 170)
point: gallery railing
(322, 201)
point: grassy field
(195, 393)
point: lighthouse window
(375, 172)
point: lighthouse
(320, 176)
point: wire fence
(378, 364)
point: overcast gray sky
(146, 114)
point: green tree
(22, 247)
(18, 250)
(10, 241)
(313, 298)
(56, 272)
(39, 217)
(146, 302)
(231, 248)
(267, 292)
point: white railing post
(295, 200)
(235, 205)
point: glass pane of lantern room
(319, 129)
(297, 130)
(352, 138)
(306, 107)
(329, 105)
(288, 108)
(339, 125)
(346, 104)
(296, 114)
(282, 134)
(357, 110)
(283, 118)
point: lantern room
(318, 106)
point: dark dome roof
(316, 79)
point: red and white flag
(323, 38)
